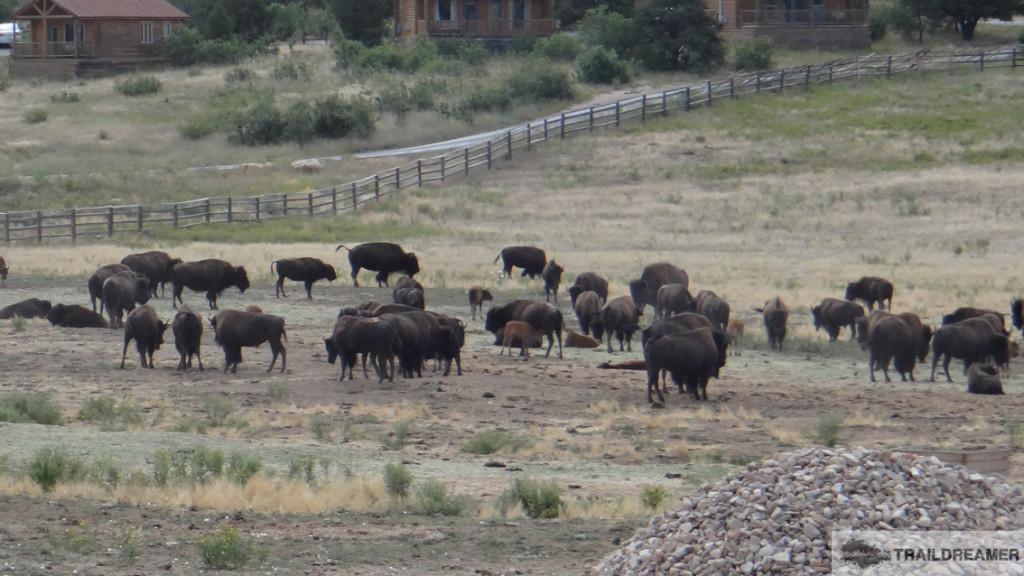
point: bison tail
(285, 334)
(496, 259)
(340, 246)
(272, 267)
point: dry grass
(784, 434)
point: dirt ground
(590, 431)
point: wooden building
(70, 37)
(474, 18)
(795, 23)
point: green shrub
(399, 433)
(561, 48)
(205, 464)
(229, 549)
(183, 46)
(278, 391)
(538, 79)
(237, 74)
(130, 545)
(51, 466)
(335, 117)
(397, 480)
(110, 413)
(652, 495)
(472, 52)
(139, 86)
(348, 53)
(383, 58)
(36, 115)
(485, 98)
(1020, 36)
(421, 53)
(523, 43)
(199, 126)
(540, 502)
(599, 65)
(104, 472)
(754, 54)
(395, 99)
(289, 70)
(491, 441)
(610, 30)
(298, 128)
(64, 97)
(260, 125)
(878, 24)
(302, 467)
(218, 408)
(433, 498)
(241, 467)
(321, 428)
(828, 429)
(24, 407)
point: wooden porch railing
(50, 49)
(813, 17)
(457, 28)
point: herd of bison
(688, 339)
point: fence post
(140, 218)
(782, 80)
(1013, 59)
(617, 111)
(174, 214)
(110, 222)
(709, 93)
(442, 168)
(757, 82)
(664, 101)
(643, 108)
(888, 66)
(376, 186)
(561, 134)
(334, 199)
(39, 224)
(807, 75)
(207, 210)
(981, 61)
(687, 108)
(732, 88)
(508, 155)
(529, 137)
(309, 200)
(231, 216)
(7, 227)
(465, 155)
(830, 74)
(489, 152)
(590, 118)
(74, 224)
(354, 197)
(398, 177)
(284, 203)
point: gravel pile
(776, 516)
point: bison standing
(539, 314)
(871, 289)
(672, 299)
(121, 292)
(147, 329)
(714, 308)
(477, 296)
(832, 314)
(888, 338)
(690, 357)
(307, 270)
(552, 275)
(588, 281)
(96, 280)
(971, 340)
(384, 258)
(187, 327)
(212, 276)
(776, 315)
(235, 329)
(619, 318)
(588, 312)
(373, 337)
(645, 290)
(532, 260)
(155, 265)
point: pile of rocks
(776, 516)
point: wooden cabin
(795, 23)
(474, 18)
(69, 37)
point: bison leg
(176, 291)
(181, 361)
(279, 288)
(355, 273)
(309, 290)
(211, 297)
(652, 383)
(124, 351)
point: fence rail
(107, 221)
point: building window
(494, 9)
(146, 31)
(469, 11)
(445, 10)
(167, 29)
(52, 35)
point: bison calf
(735, 330)
(147, 330)
(552, 275)
(235, 329)
(477, 297)
(187, 327)
(524, 332)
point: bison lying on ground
(871, 289)
(776, 315)
(384, 258)
(187, 327)
(235, 329)
(155, 265)
(588, 281)
(212, 276)
(971, 340)
(531, 260)
(147, 330)
(306, 270)
(832, 314)
(30, 308)
(983, 379)
(75, 316)
(645, 290)
(477, 297)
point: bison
(552, 275)
(187, 327)
(147, 330)
(234, 329)
(983, 379)
(871, 289)
(306, 270)
(121, 292)
(714, 308)
(735, 330)
(888, 337)
(686, 322)
(970, 340)
(540, 314)
(588, 312)
(384, 258)
(373, 337)
(450, 346)
(477, 297)
(30, 308)
(1017, 313)
(691, 358)
(4, 271)
(619, 318)
(965, 312)
(422, 337)
(155, 265)
(96, 280)
(75, 316)
(645, 290)
(212, 276)
(775, 314)
(409, 297)
(531, 260)
(672, 299)
(523, 332)
(832, 314)
(588, 281)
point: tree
(677, 35)
(363, 20)
(570, 12)
(911, 18)
(967, 13)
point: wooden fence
(107, 221)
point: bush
(261, 125)
(139, 86)
(347, 54)
(23, 407)
(298, 128)
(399, 433)
(64, 97)
(754, 54)
(397, 479)
(828, 429)
(237, 74)
(539, 502)
(36, 115)
(198, 127)
(218, 407)
(241, 467)
(50, 466)
(561, 48)
(335, 117)
(491, 441)
(110, 413)
(537, 79)
(1020, 36)
(472, 52)
(878, 24)
(610, 30)
(652, 495)
(599, 65)
(433, 498)
(523, 43)
(183, 46)
(289, 70)
(229, 549)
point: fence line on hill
(106, 221)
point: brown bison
(531, 260)
(4, 271)
(1017, 313)
(409, 297)
(477, 297)
(212, 276)
(776, 315)
(96, 280)
(187, 327)
(306, 270)
(619, 318)
(645, 290)
(121, 292)
(422, 337)
(686, 322)
(30, 308)
(965, 312)
(983, 379)
(888, 337)
(371, 337)
(588, 281)
(234, 329)
(832, 314)
(871, 289)
(673, 299)
(540, 314)
(518, 331)
(588, 312)
(552, 275)
(971, 340)
(155, 265)
(735, 330)
(690, 357)
(75, 316)
(147, 330)
(384, 258)
(714, 308)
